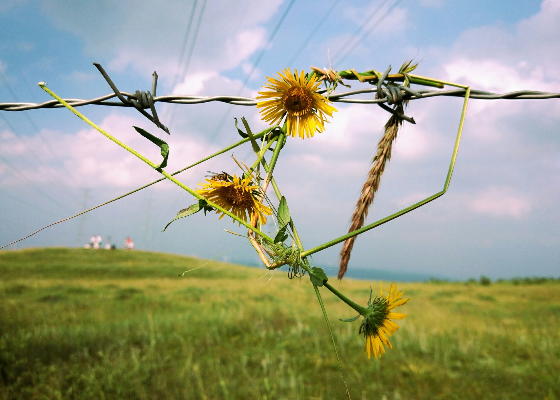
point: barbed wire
(142, 100)
(248, 101)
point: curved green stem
(151, 164)
(261, 153)
(360, 309)
(332, 338)
(420, 203)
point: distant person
(108, 244)
(99, 240)
(92, 241)
(96, 242)
(128, 244)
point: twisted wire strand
(248, 101)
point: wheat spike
(371, 185)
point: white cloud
(6, 135)
(98, 162)
(194, 84)
(515, 58)
(412, 144)
(257, 73)
(496, 76)
(501, 201)
(131, 34)
(243, 45)
(79, 76)
(502, 59)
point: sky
(499, 218)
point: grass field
(83, 324)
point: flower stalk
(360, 309)
(150, 163)
(295, 101)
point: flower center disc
(238, 197)
(297, 100)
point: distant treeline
(486, 281)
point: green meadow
(84, 324)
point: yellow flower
(296, 96)
(235, 195)
(377, 325)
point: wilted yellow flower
(235, 195)
(298, 98)
(377, 325)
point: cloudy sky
(500, 216)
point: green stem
(151, 164)
(256, 136)
(416, 205)
(260, 134)
(370, 226)
(360, 309)
(279, 145)
(332, 338)
(261, 153)
(273, 181)
(419, 80)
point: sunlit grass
(86, 324)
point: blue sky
(500, 216)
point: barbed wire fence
(387, 93)
(248, 101)
(146, 100)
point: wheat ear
(371, 185)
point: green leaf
(349, 319)
(283, 213)
(318, 276)
(281, 236)
(256, 148)
(241, 133)
(193, 209)
(158, 142)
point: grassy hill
(83, 324)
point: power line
(37, 129)
(24, 177)
(18, 200)
(269, 41)
(366, 34)
(195, 36)
(191, 49)
(217, 130)
(184, 45)
(30, 150)
(355, 34)
(256, 63)
(305, 43)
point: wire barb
(140, 100)
(394, 95)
